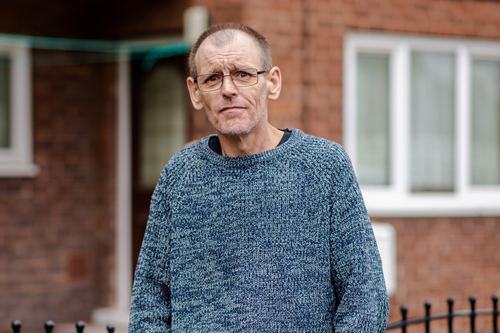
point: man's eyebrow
(232, 67)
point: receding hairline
(226, 33)
(223, 38)
(231, 37)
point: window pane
(485, 146)
(432, 121)
(163, 124)
(372, 119)
(4, 102)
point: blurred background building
(93, 103)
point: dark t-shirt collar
(214, 142)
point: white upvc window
(16, 152)
(422, 123)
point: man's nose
(228, 88)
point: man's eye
(212, 78)
(242, 75)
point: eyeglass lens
(241, 78)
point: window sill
(386, 203)
(25, 170)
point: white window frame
(17, 160)
(397, 199)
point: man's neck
(257, 141)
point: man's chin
(234, 133)
(234, 130)
(236, 127)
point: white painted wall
(385, 234)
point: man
(255, 229)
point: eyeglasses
(241, 78)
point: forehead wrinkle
(229, 60)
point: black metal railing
(403, 324)
(472, 314)
(49, 326)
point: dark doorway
(159, 130)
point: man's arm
(151, 308)
(361, 304)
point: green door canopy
(107, 51)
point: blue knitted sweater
(278, 241)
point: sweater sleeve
(151, 308)
(361, 303)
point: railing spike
(427, 305)
(494, 298)
(80, 325)
(49, 326)
(472, 301)
(404, 315)
(16, 326)
(110, 328)
(450, 302)
(427, 316)
(404, 311)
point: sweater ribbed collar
(207, 153)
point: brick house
(411, 88)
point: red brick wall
(326, 22)
(438, 258)
(56, 234)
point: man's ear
(194, 93)
(274, 83)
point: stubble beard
(229, 131)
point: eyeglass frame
(222, 80)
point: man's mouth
(231, 108)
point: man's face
(233, 111)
